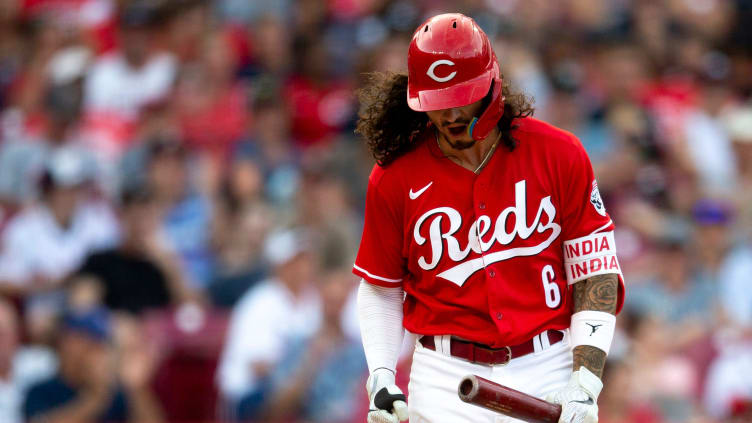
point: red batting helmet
(451, 64)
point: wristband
(595, 328)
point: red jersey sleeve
(380, 260)
(583, 210)
(588, 231)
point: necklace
(485, 158)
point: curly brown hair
(390, 126)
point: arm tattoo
(592, 358)
(598, 293)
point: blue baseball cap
(93, 323)
(711, 212)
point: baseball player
(484, 235)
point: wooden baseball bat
(484, 393)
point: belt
(483, 354)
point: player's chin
(461, 144)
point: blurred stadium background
(155, 154)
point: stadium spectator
(23, 156)
(320, 103)
(210, 102)
(675, 296)
(239, 236)
(186, 25)
(269, 144)
(324, 207)
(713, 241)
(728, 385)
(707, 144)
(318, 376)
(90, 384)
(45, 243)
(122, 82)
(272, 47)
(141, 273)
(285, 307)
(186, 212)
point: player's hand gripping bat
(484, 393)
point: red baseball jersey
(488, 257)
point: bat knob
(468, 388)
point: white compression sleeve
(380, 315)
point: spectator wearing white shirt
(43, 244)
(119, 84)
(277, 311)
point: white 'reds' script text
(544, 221)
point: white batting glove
(579, 399)
(387, 402)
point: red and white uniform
(482, 256)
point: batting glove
(387, 402)
(579, 399)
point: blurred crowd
(181, 197)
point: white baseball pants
(435, 376)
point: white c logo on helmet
(433, 67)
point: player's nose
(452, 115)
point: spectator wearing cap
(723, 259)
(43, 244)
(141, 273)
(732, 256)
(89, 386)
(286, 306)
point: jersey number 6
(550, 287)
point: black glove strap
(383, 400)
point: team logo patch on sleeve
(596, 201)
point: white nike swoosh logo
(414, 195)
